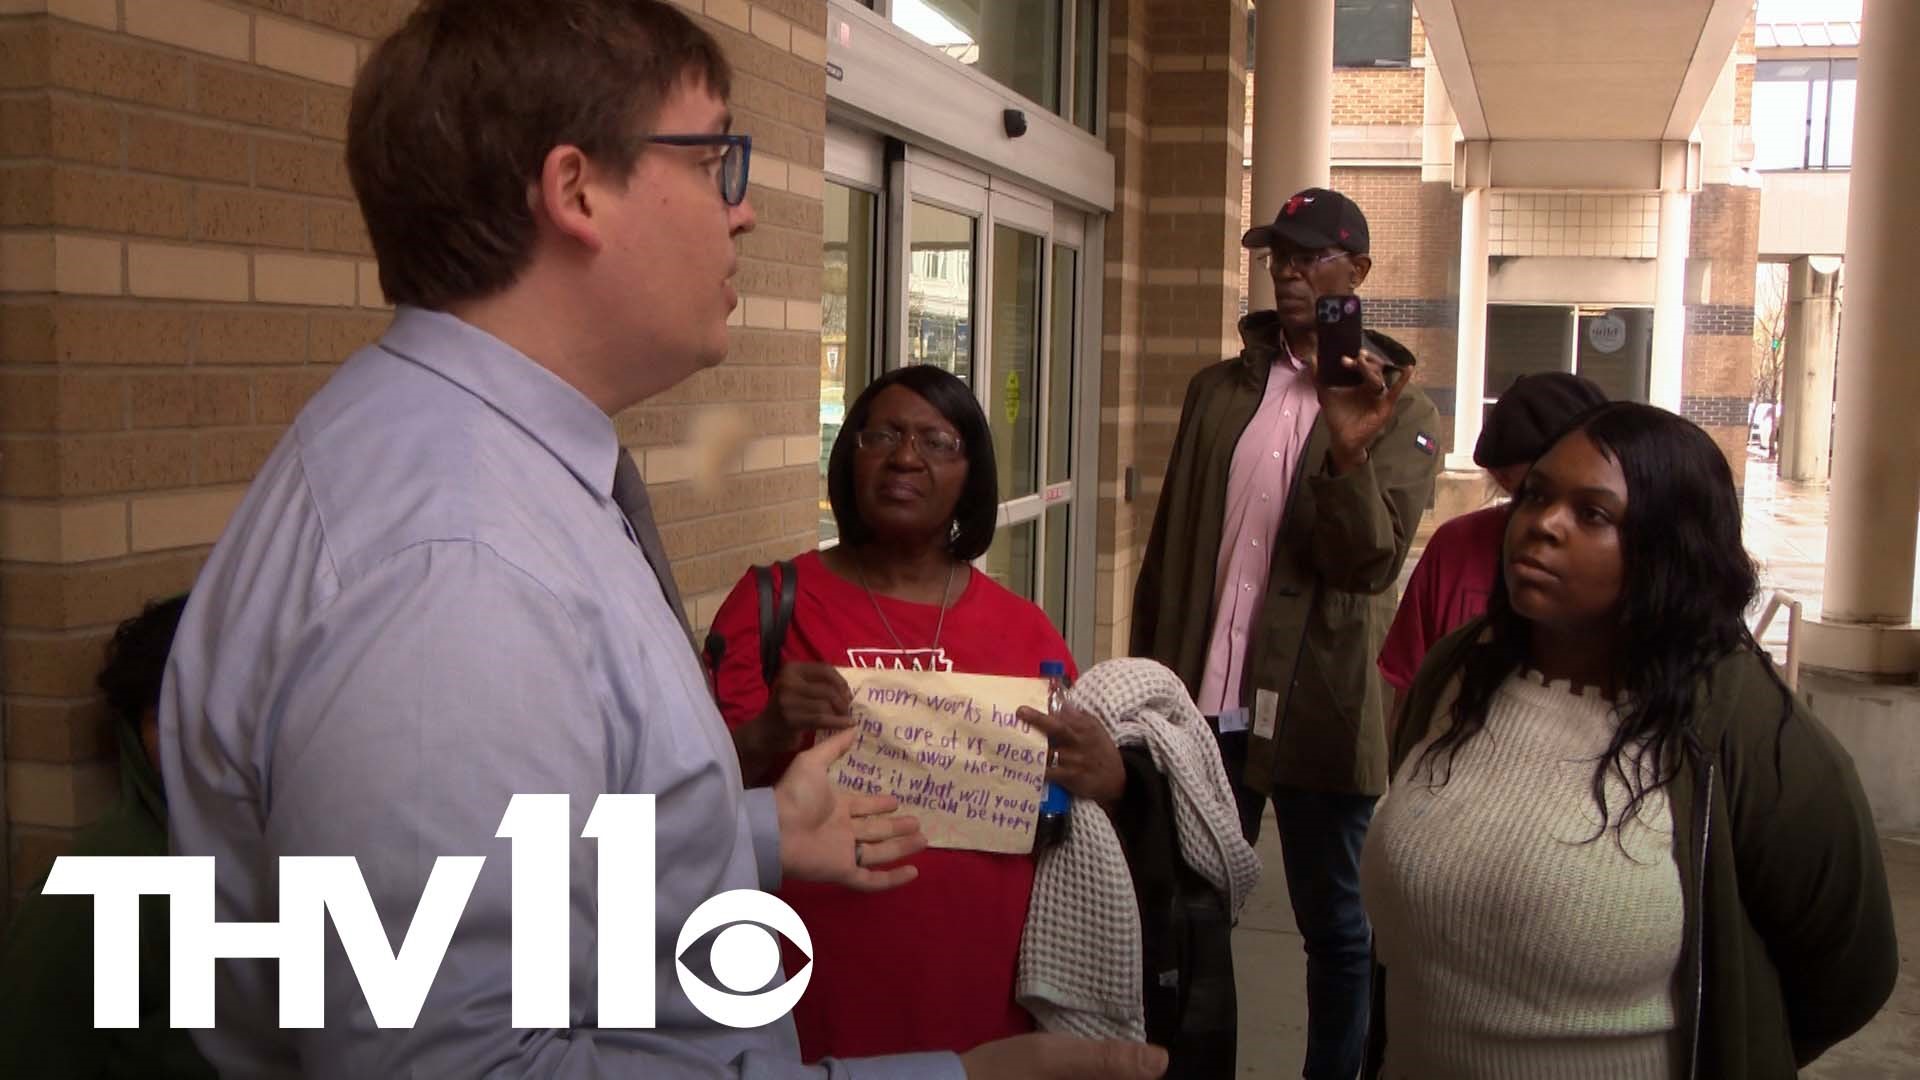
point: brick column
(1123, 520)
(1719, 332)
(1176, 109)
(182, 265)
(1723, 241)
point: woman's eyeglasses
(932, 445)
(734, 161)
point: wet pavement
(1785, 528)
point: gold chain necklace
(946, 592)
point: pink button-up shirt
(1257, 487)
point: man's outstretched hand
(1063, 1057)
(831, 836)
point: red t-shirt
(930, 965)
(1448, 589)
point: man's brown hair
(454, 115)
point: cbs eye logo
(313, 889)
(744, 957)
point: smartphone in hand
(1337, 325)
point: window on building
(1016, 43)
(1373, 33)
(1525, 339)
(1047, 50)
(1803, 114)
(940, 254)
(1087, 68)
(1012, 408)
(847, 285)
(1613, 346)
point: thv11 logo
(315, 888)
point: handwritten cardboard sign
(950, 748)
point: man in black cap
(1287, 511)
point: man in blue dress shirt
(444, 588)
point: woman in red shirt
(929, 966)
(1450, 585)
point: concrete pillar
(1670, 300)
(1292, 112)
(1806, 422)
(1875, 496)
(1438, 129)
(1470, 363)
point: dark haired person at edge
(445, 587)
(1455, 574)
(46, 968)
(1267, 585)
(1617, 845)
(913, 486)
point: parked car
(1762, 418)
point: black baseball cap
(1531, 416)
(1312, 220)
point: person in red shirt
(1455, 574)
(913, 486)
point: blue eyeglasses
(733, 163)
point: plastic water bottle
(1052, 826)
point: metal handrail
(1778, 600)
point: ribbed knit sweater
(1516, 945)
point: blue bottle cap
(1053, 669)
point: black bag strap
(775, 614)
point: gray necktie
(630, 493)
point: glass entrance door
(985, 280)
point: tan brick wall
(1173, 279)
(1415, 228)
(766, 507)
(185, 266)
(179, 164)
(1379, 96)
(1411, 227)
(1123, 523)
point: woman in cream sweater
(1616, 845)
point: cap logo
(1344, 234)
(1294, 204)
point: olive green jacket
(1789, 943)
(46, 963)
(1315, 695)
